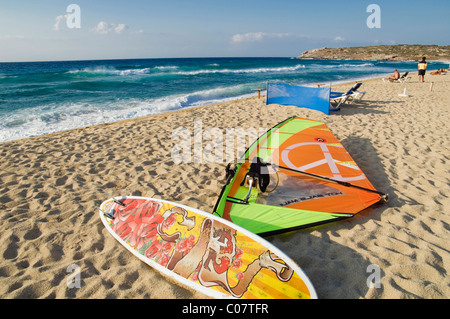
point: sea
(38, 98)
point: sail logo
(327, 160)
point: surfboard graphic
(202, 251)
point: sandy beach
(51, 186)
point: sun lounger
(348, 97)
(401, 79)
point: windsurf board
(202, 251)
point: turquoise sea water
(43, 97)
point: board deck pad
(202, 251)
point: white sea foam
(341, 66)
(166, 67)
(133, 71)
(105, 71)
(102, 70)
(60, 117)
(253, 70)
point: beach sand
(51, 186)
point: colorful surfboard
(202, 251)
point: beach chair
(401, 79)
(348, 97)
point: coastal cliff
(401, 52)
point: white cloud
(11, 37)
(339, 38)
(120, 28)
(247, 37)
(104, 28)
(256, 36)
(389, 42)
(59, 20)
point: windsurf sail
(294, 176)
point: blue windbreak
(308, 97)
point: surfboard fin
(108, 215)
(115, 200)
(118, 202)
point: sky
(46, 30)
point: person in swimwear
(437, 72)
(393, 76)
(422, 68)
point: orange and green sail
(296, 175)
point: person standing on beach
(422, 68)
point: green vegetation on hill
(400, 52)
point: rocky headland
(401, 52)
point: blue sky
(37, 30)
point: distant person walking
(422, 68)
